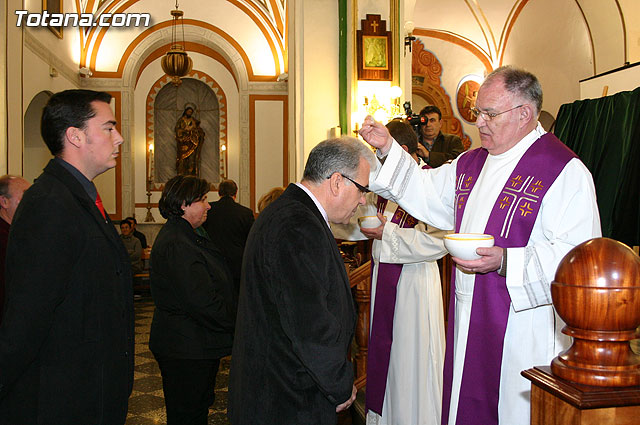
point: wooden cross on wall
(370, 25)
(374, 65)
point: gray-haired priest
(537, 199)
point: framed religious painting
(53, 6)
(374, 52)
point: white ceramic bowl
(369, 221)
(463, 245)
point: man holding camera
(439, 147)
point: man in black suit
(228, 224)
(66, 341)
(296, 316)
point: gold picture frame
(53, 6)
(375, 52)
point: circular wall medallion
(466, 97)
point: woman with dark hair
(193, 322)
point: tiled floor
(146, 404)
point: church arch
(36, 153)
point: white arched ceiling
(255, 29)
(486, 26)
(560, 56)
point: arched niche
(239, 110)
(36, 153)
(168, 106)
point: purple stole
(511, 222)
(382, 328)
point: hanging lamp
(176, 63)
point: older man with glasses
(537, 199)
(296, 316)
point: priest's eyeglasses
(360, 187)
(488, 116)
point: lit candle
(151, 162)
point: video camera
(415, 120)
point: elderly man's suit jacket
(66, 341)
(295, 321)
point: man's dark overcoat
(296, 319)
(66, 341)
(446, 147)
(228, 224)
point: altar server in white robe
(538, 200)
(404, 371)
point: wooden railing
(360, 279)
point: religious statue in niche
(189, 139)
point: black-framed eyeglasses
(488, 116)
(360, 187)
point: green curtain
(605, 134)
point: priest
(537, 199)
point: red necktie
(100, 206)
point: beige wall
(631, 14)
(556, 48)
(623, 80)
(317, 93)
(269, 146)
(3, 91)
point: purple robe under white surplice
(413, 390)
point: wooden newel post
(596, 292)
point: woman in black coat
(192, 289)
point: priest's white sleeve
(427, 195)
(568, 216)
(415, 245)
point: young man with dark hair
(136, 233)
(132, 245)
(440, 147)
(67, 341)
